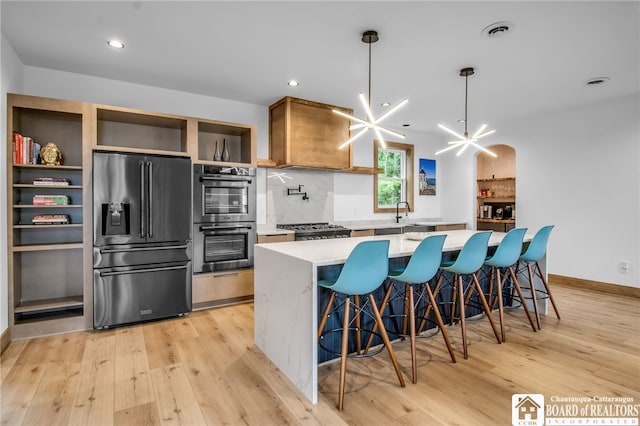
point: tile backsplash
(283, 208)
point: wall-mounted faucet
(398, 217)
(297, 191)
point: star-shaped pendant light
(463, 142)
(371, 122)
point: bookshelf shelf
(45, 167)
(31, 206)
(39, 227)
(45, 305)
(46, 247)
(29, 185)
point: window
(395, 183)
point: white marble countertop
(336, 251)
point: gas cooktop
(316, 231)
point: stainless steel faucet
(398, 217)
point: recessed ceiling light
(597, 80)
(406, 125)
(293, 83)
(461, 121)
(385, 104)
(498, 29)
(116, 44)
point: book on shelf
(51, 219)
(51, 181)
(25, 150)
(50, 200)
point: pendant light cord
(370, 43)
(466, 84)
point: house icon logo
(527, 409)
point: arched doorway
(496, 189)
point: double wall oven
(224, 217)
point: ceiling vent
(498, 29)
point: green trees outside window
(391, 181)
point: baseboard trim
(5, 339)
(621, 290)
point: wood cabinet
(306, 133)
(276, 238)
(221, 288)
(362, 232)
(50, 268)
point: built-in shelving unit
(239, 140)
(46, 272)
(496, 187)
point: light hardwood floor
(205, 369)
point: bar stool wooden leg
(463, 323)
(457, 280)
(436, 313)
(516, 285)
(411, 318)
(385, 339)
(325, 314)
(546, 287)
(356, 317)
(383, 306)
(433, 306)
(534, 295)
(406, 309)
(500, 303)
(486, 307)
(343, 353)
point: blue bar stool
(530, 260)
(422, 267)
(469, 261)
(505, 256)
(364, 271)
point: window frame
(409, 176)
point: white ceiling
(247, 51)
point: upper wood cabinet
(308, 134)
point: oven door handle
(142, 271)
(125, 250)
(221, 227)
(226, 178)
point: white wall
(353, 193)
(576, 168)
(11, 81)
(579, 169)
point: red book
(17, 143)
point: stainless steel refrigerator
(142, 226)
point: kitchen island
(286, 295)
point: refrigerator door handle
(143, 200)
(126, 250)
(141, 271)
(150, 210)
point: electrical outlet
(623, 267)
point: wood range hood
(306, 134)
